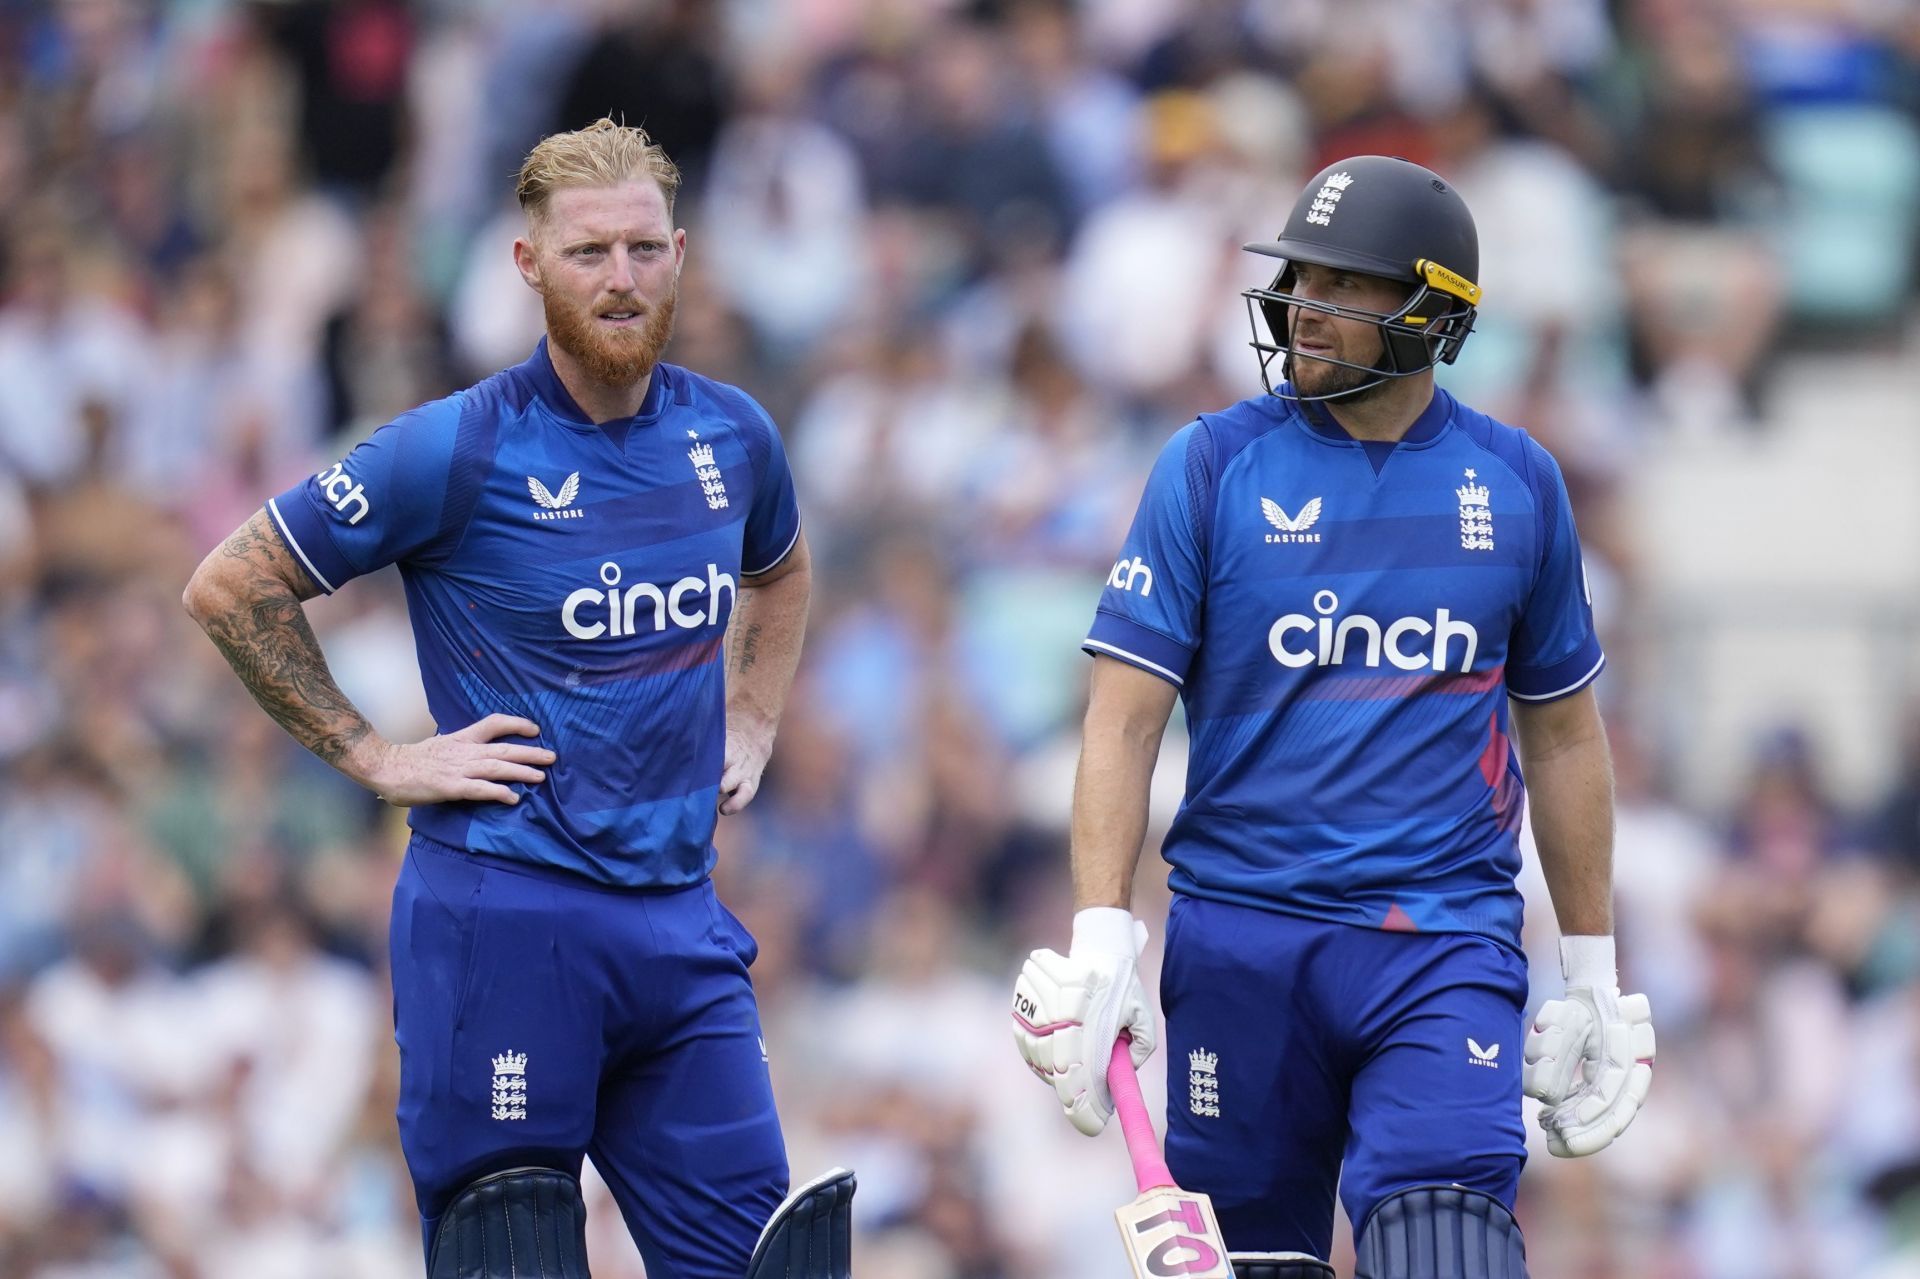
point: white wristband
(1105, 929)
(1589, 961)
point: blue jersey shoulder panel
(1171, 544)
(1221, 437)
(1522, 455)
(405, 493)
(773, 518)
(1556, 650)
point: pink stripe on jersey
(1507, 807)
(1381, 688)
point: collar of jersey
(553, 393)
(1425, 429)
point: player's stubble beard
(612, 357)
(1321, 379)
(1315, 377)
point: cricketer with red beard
(608, 588)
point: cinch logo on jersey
(620, 606)
(340, 489)
(1324, 642)
(1128, 573)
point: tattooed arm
(248, 595)
(763, 651)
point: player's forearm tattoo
(267, 640)
(747, 650)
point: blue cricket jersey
(579, 575)
(1345, 623)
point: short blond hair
(603, 154)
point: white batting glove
(1068, 1009)
(1603, 1037)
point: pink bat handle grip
(1149, 1167)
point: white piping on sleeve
(1562, 692)
(755, 572)
(1134, 658)
(273, 509)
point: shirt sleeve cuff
(1562, 679)
(293, 517)
(1116, 636)
(777, 560)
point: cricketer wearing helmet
(1369, 598)
(579, 536)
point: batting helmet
(1376, 215)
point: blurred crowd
(979, 259)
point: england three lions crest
(711, 485)
(1203, 1084)
(510, 1085)
(1326, 201)
(1476, 515)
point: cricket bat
(1169, 1233)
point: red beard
(612, 357)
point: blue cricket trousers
(1305, 1055)
(542, 1018)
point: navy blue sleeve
(773, 520)
(1554, 651)
(1150, 613)
(392, 498)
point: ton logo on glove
(1596, 1032)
